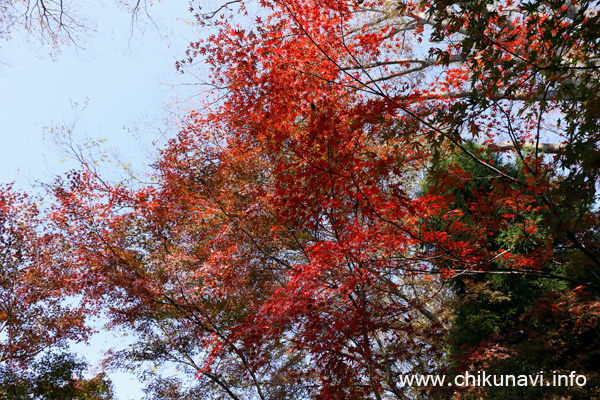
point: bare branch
(551, 148)
(424, 62)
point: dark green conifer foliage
(511, 322)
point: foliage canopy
(375, 189)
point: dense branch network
(54, 23)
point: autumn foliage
(34, 283)
(366, 195)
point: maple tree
(509, 75)
(312, 233)
(33, 285)
(38, 311)
(196, 283)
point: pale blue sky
(125, 82)
(118, 88)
